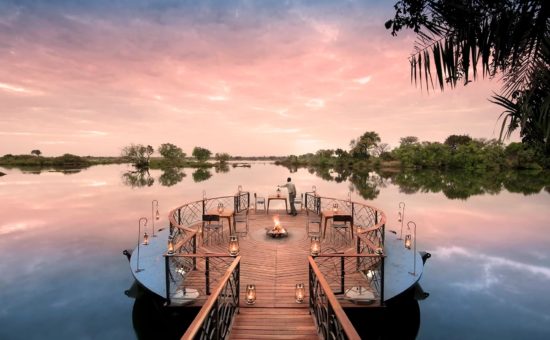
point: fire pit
(277, 231)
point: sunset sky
(247, 78)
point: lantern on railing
(220, 207)
(170, 245)
(314, 189)
(233, 245)
(315, 248)
(278, 192)
(145, 239)
(335, 207)
(300, 292)
(250, 294)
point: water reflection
(138, 178)
(453, 184)
(171, 176)
(201, 175)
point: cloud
(362, 80)
(315, 103)
(217, 98)
(13, 88)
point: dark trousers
(291, 198)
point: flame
(276, 220)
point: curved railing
(185, 221)
(218, 312)
(330, 318)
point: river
(63, 275)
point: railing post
(310, 287)
(382, 282)
(343, 273)
(179, 216)
(236, 204)
(207, 274)
(167, 276)
(329, 325)
(238, 285)
(217, 319)
(194, 251)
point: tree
(380, 149)
(171, 152)
(409, 140)
(453, 141)
(361, 146)
(222, 157)
(201, 154)
(510, 37)
(36, 152)
(137, 154)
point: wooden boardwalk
(275, 266)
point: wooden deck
(275, 266)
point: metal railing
(218, 312)
(357, 271)
(330, 318)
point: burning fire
(277, 228)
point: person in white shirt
(291, 195)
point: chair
(300, 201)
(241, 218)
(259, 200)
(341, 226)
(313, 218)
(209, 229)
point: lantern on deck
(250, 294)
(315, 248)
(300, 292)
(233, 245)
(170, 245)
(145, 239)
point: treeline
(171, 156)
(35, 160)
(457, 152)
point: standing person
(291, 195)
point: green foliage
(171, 176)
(201, 175)
(361, 147)
(137, 179)
(453, 141)
(171, 152)
(409, 140)
(510, 37)
(36, 152)
(201, 154)
(138, 155)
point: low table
(275, 197)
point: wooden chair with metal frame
(313, 218)
(340, 225)
(211, 225)
(259, 200)
(241, 218)
(299, 200)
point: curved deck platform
(276, 265)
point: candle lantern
(154, 216)
(145, 239)
(278, 192)
(315, 248)
(250, 294)
(408, 242)
(314, 189)
(300, 292)
(335, 207)
(233, 245)
(240, 188)
(220, 207)
(170, 245)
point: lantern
(233, 245)
(278, 192)
(315, 248)
(170, 245)
(300, 292)
(240, 188)
(335, 207)
(250, 294)
(408, 241)
(220, 207)
(145, 239)
(314, 189)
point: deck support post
(167, 272)
(207, 275)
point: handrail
(197, 326)
(340, 326)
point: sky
(242, 77)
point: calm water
(61, 235)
